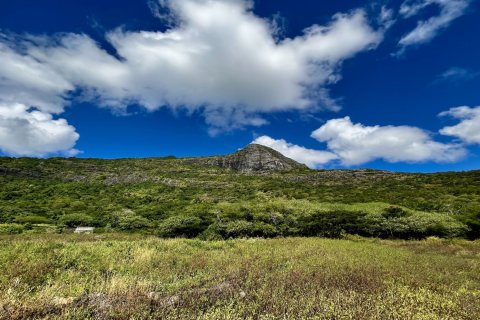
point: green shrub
(415, 226)
(11, 228)
(210, 234)
(333, 224)
(181, 226)
(472, 221)
(235, 229)
(32, 220)
(394, 212)
(76, 220)
(265, 230)
(133, 222)
(243, 228)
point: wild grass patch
(138, 277)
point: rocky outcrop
(256, 158)
(252, 158)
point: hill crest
(255, 158)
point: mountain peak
(256, 157)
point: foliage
(242, 229)
(129, 221)
(222, 203)
(11, 228)
(473, 223)
(181, 226)
(332, 224)
(76, 220)
(393, 212)
(414, 226)
(32, 220)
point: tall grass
(139, 277)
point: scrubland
(132, 276)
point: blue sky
(389, 84)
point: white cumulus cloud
(24, 79)
(25, 132)
(310, 157)
(357, 144)
(426, 30)
(468, 130)
(218, 58)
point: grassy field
(121, 276)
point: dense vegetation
(184, 197)
(142, 277)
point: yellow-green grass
(123, 276)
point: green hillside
(194, 197)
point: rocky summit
(255, 158)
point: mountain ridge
(252, 158)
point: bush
(394, 212)
(11, 228)
(472, 221)
(333, 224)
(243, 228)
(415, 226)
(32, 220)
(76, 220)
(235, 229)
(181, 226)
(132, 222)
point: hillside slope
(152, 191)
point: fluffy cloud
(218, 58)
(23, 79)
(356, 144)
(468, 130)
(426, 30)
(31, 132)
(310, 157)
